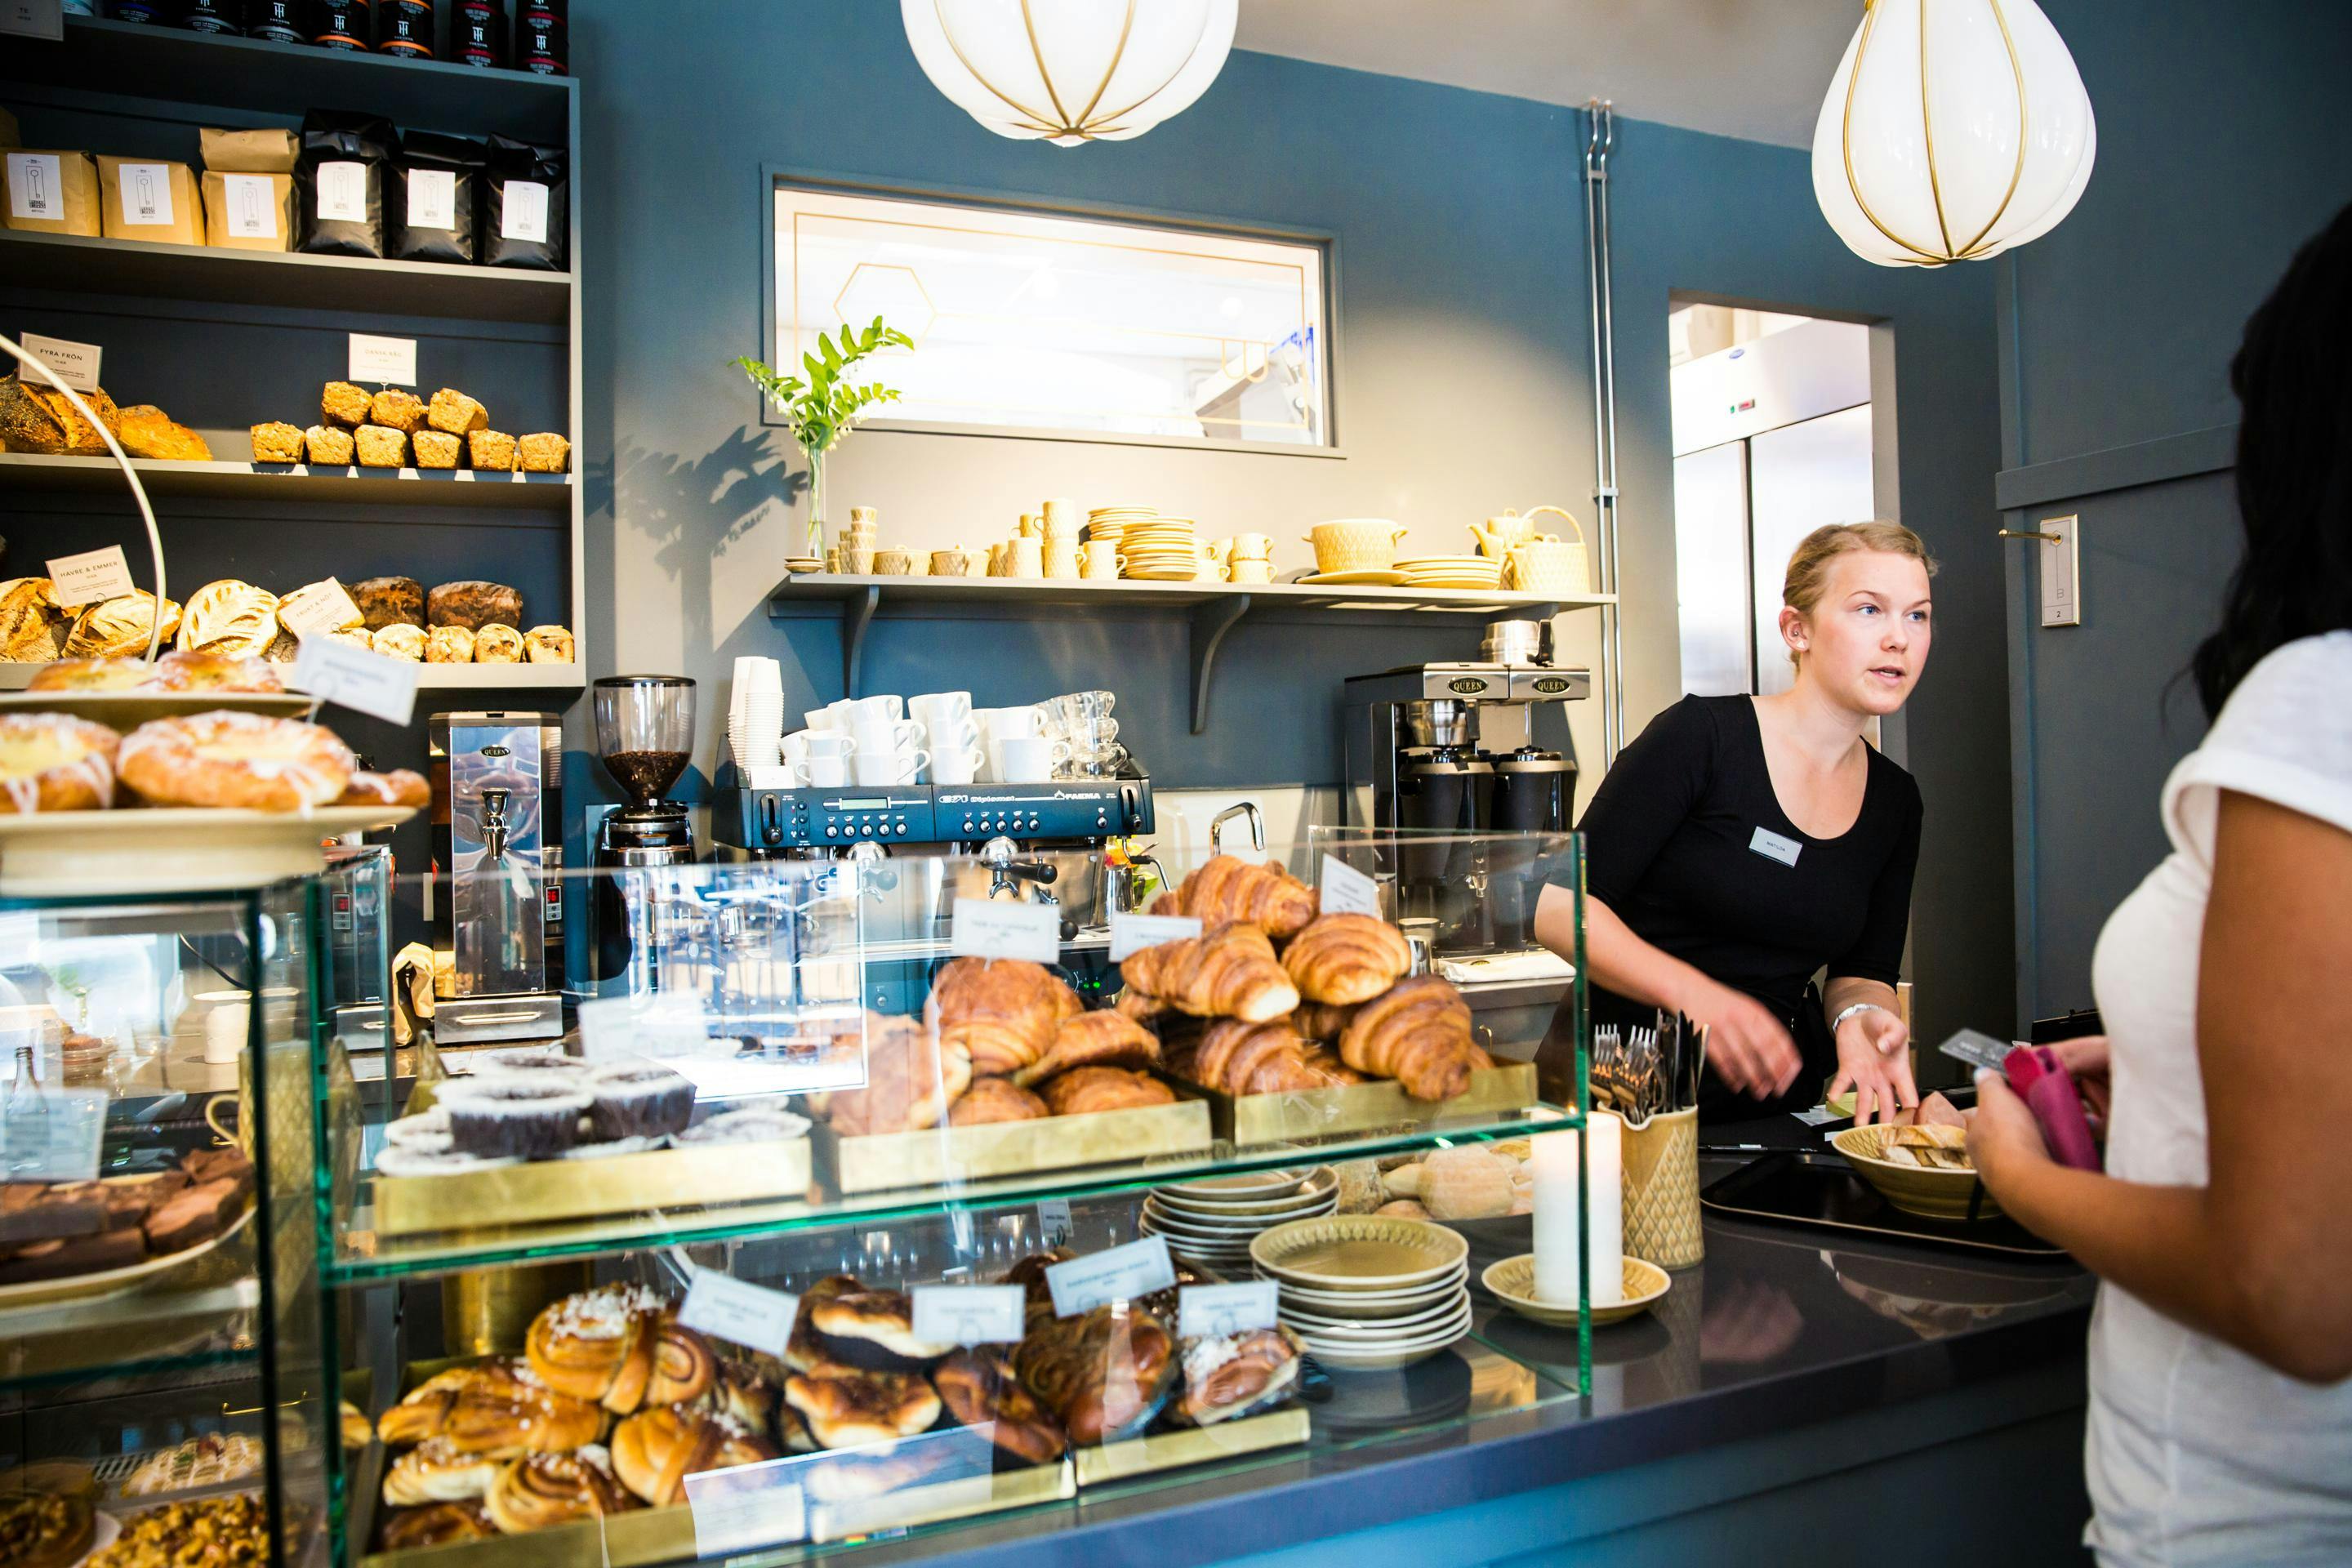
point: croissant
(911, 1080)
(1227, 889)
(1103, 1038)
(1341, 959)
(1418, 1033)
(1003, 1011)
(1084, 1090)
(1234, 1057)
(1320, 1020)
(1228, 971)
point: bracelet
(1839, 1022)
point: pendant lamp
(1953, 130)
(1071, 71)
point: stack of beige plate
(1213, 1221)
(1111, 522)
(1161, 550)
(1477, 571)
(1369, 1292)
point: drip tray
(1820, 1191)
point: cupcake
(497, 1117)
(426, 1133)
(747, 1126)
(540, 1062)
(637, 1100)
(398, 1162)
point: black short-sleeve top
(1688, 842)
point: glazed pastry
(276, 442)
(1228, 971)
(245, 760)
(346, 404)
(33, 625)
(1233, 1057)
(1101, 1038)
(1417, 1033)
(449, 645)
(1003, 1012)
(118, 629)
(1084, 1090)
(1104, 1374)
(455, 412)
(326, 447)
(398, 788)
(654, 1451)
(436, 1470)
(148, 432)
(1237, 1374)
(637, 1100)
(434, 1524)
(401, 642)
(911, 1080)
(55, 762)
(980, 1386)
(497, 1117)
(1225, 888)
(229, 616)
(539, 1490)
(995, 1099)
(186, 671)
(1344, 959)
(874, 1330)
(548, 645)
(91, 675)
(844, 1409)
(497, 645)
(803, 1352)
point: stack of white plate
(1111, 522)
(1213, 1221)
(1369, 1292)
(1477, 571)
(1161, 549)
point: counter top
(1779, 1328)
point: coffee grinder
(497, 853)
(645, 736)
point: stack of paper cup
(755, 712)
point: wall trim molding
(2180, 456)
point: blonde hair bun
(1809, 565)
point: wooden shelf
(1209, 609)
(134, 61)
(271, 481)
(138, 267)
(434, 676)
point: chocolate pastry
(874, 1330)
(845, 1409)
(434, 1524)
(638, 1100)
(1105, 1373)
(1237, 1374)
(539, 1490)
(503, 1116)
(980, 1385)
(995, 1099)
(31, 1211)
(193, 1216)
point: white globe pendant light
(1071, 71)
(1953, 130)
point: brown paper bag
(248, 211)
(247, 152)
(147, 198)
(48, 191)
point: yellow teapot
(1497, 536)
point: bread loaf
(149, 432)
(36, 418)
(230, 617)
(474, 604)
(389, 601)
(33, 628)
(118, 629)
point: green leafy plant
(824, 406)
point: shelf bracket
(1207, 622)
(856, 614)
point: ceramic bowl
(1355, 544)
(1513, 1283)
(1914, 1189)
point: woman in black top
(1742, 843)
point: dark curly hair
(2295, 468)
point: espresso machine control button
(902, 825)
(831, 831)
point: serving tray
(1822, 1192)
(879, 1162)
(1253, 1118)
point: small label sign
(341, 192)
(352, 677)
(33, 18)
(657, 1026)
(969, 1314)
(146, 190)
(91, 577)
(308, 614)
(36, 184)
(1347, 891)
(748, 1507)
(750, 1315)
(432, 198)
(1214, 1311)
(252, 202)
(1133, 934)
(1054, 1226)
(382, 361)
(1772, 846)
(523, 215)
(983, 928)
(52, 1134)
(76, 363)
(1118, 1274)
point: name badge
(1772, 846)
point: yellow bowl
(1914, 1189)
(1355, 544)
(1513, 1283)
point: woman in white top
(2220, 1353)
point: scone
(345, 404)
(545, 453)
(548, 645)
(276, 442)
(399, 642)
(453, 411)
(492, 451)
(435, 448)
(382, 447)
(403, 411)
(497, 645)
(449, 645)
(330, 446)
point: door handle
(2029, 533)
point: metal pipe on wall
(1600, 140)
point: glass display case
(868, 1196)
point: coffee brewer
(1447, 751)
(645, 737)
(498, 852)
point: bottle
(478, 33)
(224, 18)
(404, 27)
(342, 25)
(274, 21)
(25, 1124)
(541, 44)
(158, 13)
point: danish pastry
(980, 1386)
(211, 670)
(91, 675)
(436, 1470)
(245, 760)
(871, 1329)
(398, 788)
(55, 762)
(654, 1451)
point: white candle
(1553, 1159)
(226, 1025)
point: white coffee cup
(1028, 759)
(822, 718)
(824, 743)
(227, 1026)
(823, 772)
(1028, 557)
(1013, 724)
(887, 705)
(874, 740)
(892, 767)
(938, 709)
(957, 767)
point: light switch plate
(2061, 572)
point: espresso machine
(1446, 752)
(645, 737)
(497, 853)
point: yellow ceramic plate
(1352, 579)
(1359, 1252)
(1320, 1183)
(1242, 1185)
(1513, 1282)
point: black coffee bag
(435, 188)
(524, 219)
(340, 178)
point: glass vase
(816, 505)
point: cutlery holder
(1661, 1213)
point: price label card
(433, 198)
(341, 190)
(523, 213)
(352, 677)
(37, 182)
(749, 1315)
(659, 1026)
(380, 362)
(1117, 1274)
(146, 190)
(1347, 891)
(1212, 1311)
(52, 1134)
(252, 201)
(90, 578)
(306, 613)
(969, 1314)
(33, 18)
(1054, 1226)
(76, 363)
(1133, 934)
(748, 1507)
(983, 928)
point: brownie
(474, 604)
(345, 404)
(195, 1216)
(37, 1213)
(390, 602)
(404, 411)
(130, 1199)
(230, 1165)
(65, 1257)
(276, 442)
